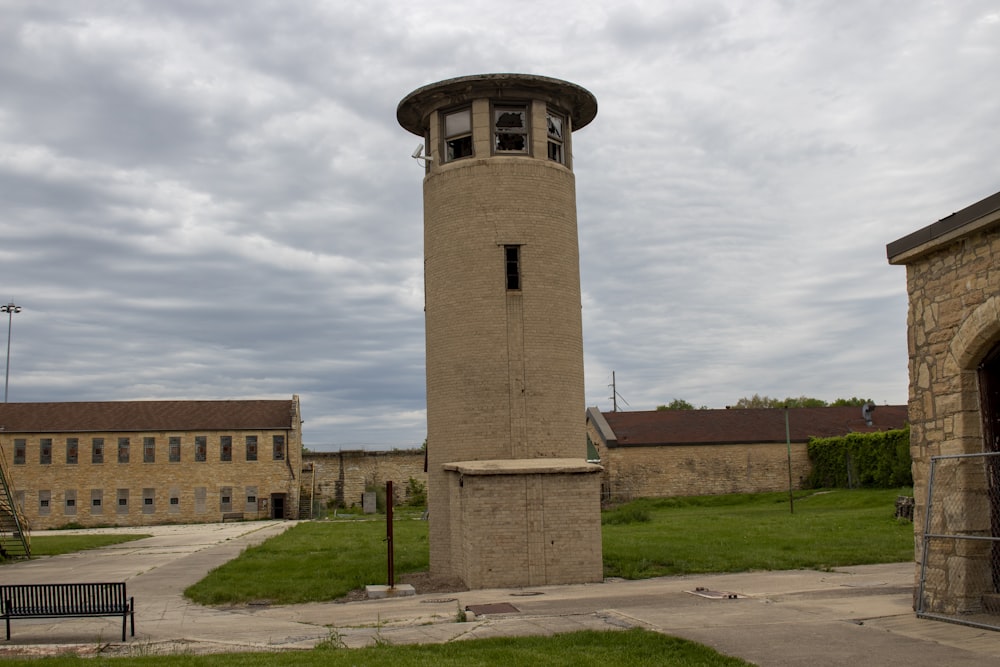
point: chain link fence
(960, 568)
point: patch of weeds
(461, 616)
(334, 640)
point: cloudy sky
(213, 199)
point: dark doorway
(277, 506)
(989, 408)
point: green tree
(758, 401)
(676, 404)
(852, 401)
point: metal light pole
(10, 309)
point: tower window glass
(510, 129)
(555, 124)
(458, 134)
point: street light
(10, 309)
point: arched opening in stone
(989, 409)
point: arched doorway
(989, 409)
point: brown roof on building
(146, 416)
(970, 218)
(741, 426)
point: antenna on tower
(615, 395)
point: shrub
(867, 460)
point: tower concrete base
(524, 522)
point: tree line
(758, 401)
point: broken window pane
(555, 124)
(510, 129)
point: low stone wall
(690, 470)
(341, 477)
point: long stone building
(661, 453)
(152, 462)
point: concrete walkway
(861, 615)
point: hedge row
(869, 460)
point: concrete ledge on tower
(525, 522)
(523, 467)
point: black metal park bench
(67, 600)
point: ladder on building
(14, 541)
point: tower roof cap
(413, 111)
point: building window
(226, 499)
(251, 495)
(174, 448)
(97, 450)
(70, 500)
(96, 501)
(226, 448)
(148, 507)
(72, 450)
(122, 501)
(512, 263)
(457, 134)
(44, 502)
(510, 129)
(555, 124)
(123, 446)
(201, 448)
(200, 496)
(20, 451)
(45, 451)
(279, 447)
(251, 448)
(149, 450)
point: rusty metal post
(388, 533)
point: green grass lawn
(53, 545)
(735, 533)
(578, 649)
(319, 561)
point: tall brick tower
(512, 498)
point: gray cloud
(213, 200)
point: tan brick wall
(525, 530)
(184, 480)
(343, 476)
(952, 322)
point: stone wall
(339, 478)
(690, 470)
(953, 321)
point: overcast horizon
(213, 200)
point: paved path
(861, 615)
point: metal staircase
(14, 540)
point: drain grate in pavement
(714, 595)
(496, 608)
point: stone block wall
(953, 321)
(339, 478)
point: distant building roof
(981, 215)
(94, 416)
(737, 426)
